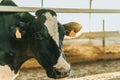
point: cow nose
(59, 73)
(62, 69)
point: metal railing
(58, 10)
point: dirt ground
(87, 63)
(96, 70)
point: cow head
(44, 37)
(46, 45)
(13, 51)
(7, 2)
(20, 29)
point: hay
(76, 53)
(87, 52)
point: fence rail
(58, 10)
(99, 35)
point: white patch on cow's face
(6, 73)
(52, 26)
(62, 64)
(1, 1)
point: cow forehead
(52, 25)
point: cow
(40, 38)
(13, 52)
(48, 35)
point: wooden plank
(93, 35)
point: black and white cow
(13, 53)
(41, 39)
(48, 35)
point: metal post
(42, 3)
(90, 7)
(103, 40)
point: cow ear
(76, 27)
(40, 12)
(37, 12)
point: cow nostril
(57, 72)
(60, 73)
(60, 69)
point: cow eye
(41, 19)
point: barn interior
(94, 51)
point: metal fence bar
(17, 9)
(58, 10)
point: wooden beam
(95, 35)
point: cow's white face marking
(51, 24)
(62, 64)
(6, 73)
(1, 1)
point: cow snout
(59, 73)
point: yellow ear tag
(18, 34)
(72, 34)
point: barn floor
(87, 63)
(96, 70)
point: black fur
(35, 39)
(12, 52)
(49, 57)
(42, 11)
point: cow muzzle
(58, 73)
